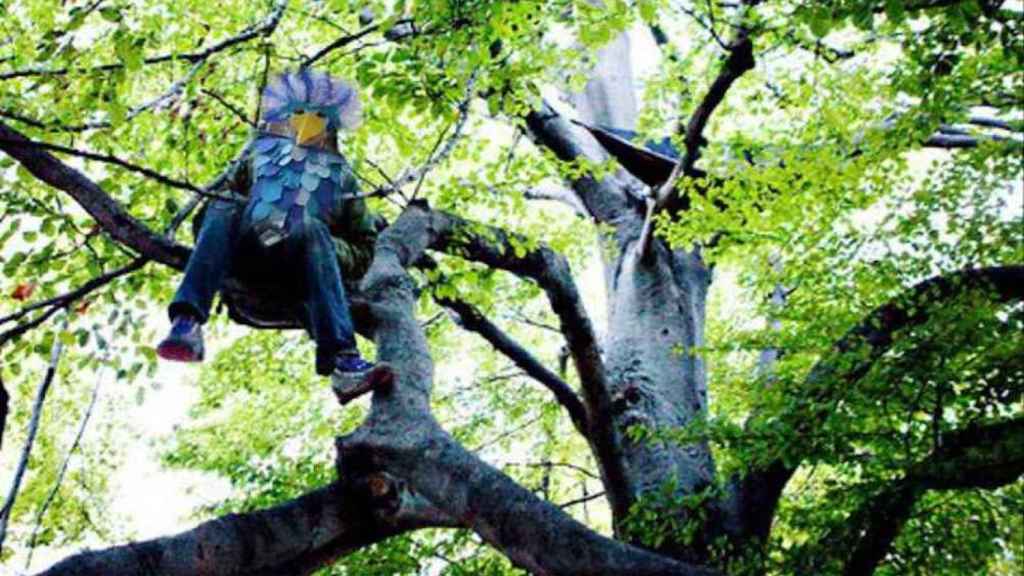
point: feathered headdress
(308, 91)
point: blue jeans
(303, 267)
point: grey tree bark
(655, 307)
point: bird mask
(310, 106)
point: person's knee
(318, 242)
(316, 233)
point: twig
(63, 301)
(392, 185)
(262, 29)
(549, 464)
(321, 18)
(709, 26)
(4, 408)
(423, 172)
(582, 499)
(33, 429)
(512, 148)
(179, 217)
(473, 320)
(170, 94)
(432, 320)
(339, 43)
(217, 183)
(436, 155)
(24, 119)
(231, 107)
(198, 59)
(505, 434)
(518, 315)
(739, 61)
(63, 470)
(264, 78)
(354, 50)
(562, 195)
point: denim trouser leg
(311, 256)
(210, 261)
(326, 314)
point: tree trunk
(655, 313)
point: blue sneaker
(351, 365)
(185, 342)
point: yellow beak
(307, 127)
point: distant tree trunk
(656, 315)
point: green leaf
(820, 21)
(895, 11)
(111, 14)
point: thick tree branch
(498, 249)
(604, 199)
(739, 61)
(986, 456)
(116, 161)
(120, 225)
(755, 496)
(979, 456)
(421, 228)
(400, 437)
(880, 521)
(297, 537)
(983, 456)
(472, 319)
(534, 534)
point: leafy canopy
(820, 168)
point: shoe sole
(348, 386)
(176, 352)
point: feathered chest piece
(297, 170)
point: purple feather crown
(310, 91)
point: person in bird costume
(296, 189)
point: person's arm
(355, 222)
(355, 229)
